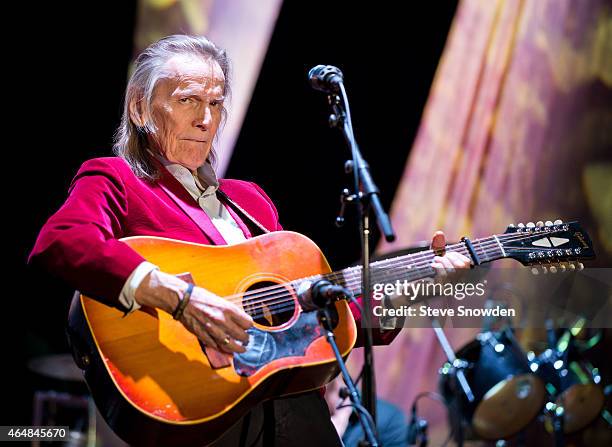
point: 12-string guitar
(156, 384)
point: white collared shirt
(202, 185)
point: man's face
(186, 109)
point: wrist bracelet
(180, 308)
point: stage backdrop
(242, 27)
(518, 127)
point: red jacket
(106, 202)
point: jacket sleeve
(379, 336)
(79, 242)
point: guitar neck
(415, 266)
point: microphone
(413, 429)
(319, 294)
(417, 429)
(326, 78)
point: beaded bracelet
(180, 308)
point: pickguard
(266, 346)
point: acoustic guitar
(156, 384)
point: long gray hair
(131, 139)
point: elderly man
(162, 183)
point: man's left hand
(450, 261)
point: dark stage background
(70, 84)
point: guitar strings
(352, 276)
(281, 306)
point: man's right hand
(218, 323)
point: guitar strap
(225, 198)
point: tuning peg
(553, 269)
(571, 266)
(511, 226)
(539, 223)
(580, 266)
(535, 270)
(549, 223)
(521, 225)
(544, 269)
(558, 222)
(563, 268)
(530, 225)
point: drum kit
(509, 390)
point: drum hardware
(455, 370)
(458, 365)
(576, 397)
(556, 414)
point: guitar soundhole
(269, 303)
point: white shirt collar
(204, 184)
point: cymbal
(56, 366)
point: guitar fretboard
(414, 266)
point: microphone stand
(327, 315)
(366, 194)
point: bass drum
(507, 395)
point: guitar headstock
(552, 246)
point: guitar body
(155, 384)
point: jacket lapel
(179, 195)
